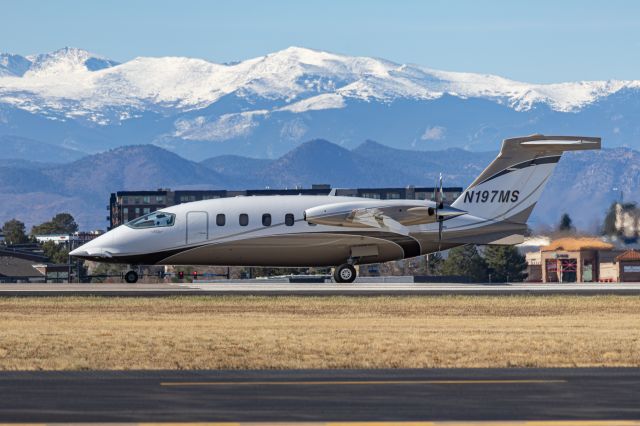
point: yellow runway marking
(473, 423)
(434, 423)
(364, 382)
(381, 423)
(482, 422)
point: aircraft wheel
(345, 273)
(131, 277)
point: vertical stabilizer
(510, 186)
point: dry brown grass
(318, 332)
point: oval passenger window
(289, 219)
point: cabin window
(221, 219)
(153, 220)
(244, 219)
(289, 219)
(266, 219)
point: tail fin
(510, 186)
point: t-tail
(506, 192)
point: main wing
(388, 214)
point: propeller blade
(439, 206)
(441, 203)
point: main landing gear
(131, 277)
(344, 273)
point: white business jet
(301, 231)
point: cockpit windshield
(153, 220)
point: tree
(62, 223)
(505, 263)
(566, 224)
(65, 223)
(57, 253)
(609, 224)
(14, 232)
(466, 261)
(434, 263)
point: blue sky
(535, 41)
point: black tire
(345, 273)
(131, 277)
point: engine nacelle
(379, 214)
(339, 214)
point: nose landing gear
(131, 277)
(345, 273)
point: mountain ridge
(277, 74)
(19, 148)
(264, 106)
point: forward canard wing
(392, 215)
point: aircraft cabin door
(197, 227)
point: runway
(404, 288)
(321, 395)
(267, 288)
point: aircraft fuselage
(236, 232)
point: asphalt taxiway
(310, 289)
(321, 395)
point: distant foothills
(38, 180)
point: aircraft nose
(96, 248)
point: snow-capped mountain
(61, 62)
(266, 105)
(13, 65)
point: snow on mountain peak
(522, 96)
(300, 54)
(67, 60)
(76, 83)
(327, 63)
